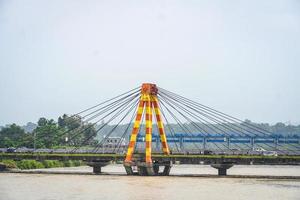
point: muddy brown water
(54, 186)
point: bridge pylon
(149, 104)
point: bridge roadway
(220, 162)
(178, 158)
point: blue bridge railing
(198, 138)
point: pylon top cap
(149, 88)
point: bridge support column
(97, 165)
(167, 170)
(128, 169)
(145, 169)
(222, 168)
(148, 102)
(97, 169)
(148, 169)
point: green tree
(77, 130)
(12, 136)
(48, 134)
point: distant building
(114, 142)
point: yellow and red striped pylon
(149, 101)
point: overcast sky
(239, 57)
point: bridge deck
(186, 159)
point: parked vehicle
(220, 153)
(11, 150)
(259, 149)
(207, 152)
(24, 150)
(270, 153)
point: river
(72, 187)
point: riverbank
(33, 164)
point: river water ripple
(73, 187)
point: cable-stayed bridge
(151, 114)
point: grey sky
(240, 57)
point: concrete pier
(145, 169)
(222, 168)
(148, 169)
(97, 165)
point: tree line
(49, 133)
